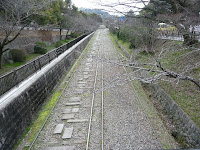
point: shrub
(40, 48)
(17, 55)
(74, 35)
(133, 44)
(59, 43)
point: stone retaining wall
(16, 114)
(184, 125)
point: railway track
(99, 64)
(110, 120)
(97, 80)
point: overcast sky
(97, 4)
(85, 3)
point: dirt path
(115, 122)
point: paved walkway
(122, 126)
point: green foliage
(41, 20)
(61, 42)
(40, 48)
(95, 17)
(138, 36)
(17, 55)
(74, 8)
(8, 67)
(39, 43)
(35, 127)
(51, 14)
(74, 35)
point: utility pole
(60, 31)
(60, 23)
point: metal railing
(13, 78)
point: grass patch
(50, 47)
(186, 97)
(22, 136)
(115, 44)
(126, 45)
(32, 130)
(8, 67)
(31, 57)
(44, 112)
(172, 58)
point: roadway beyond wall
(18, 106)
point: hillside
(103, 14)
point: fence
(16, 76)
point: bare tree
(14, 16)
(143, 31)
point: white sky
(85, 3)
(97, 4)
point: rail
(13, 78)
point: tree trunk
(60, 33)
(0, 58)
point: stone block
(75, 110)
(73, 104)
(77, 120)
(67, 133)
(59, 148)
(58, 129)
(75, 99)
(67, 116)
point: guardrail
(16, 76)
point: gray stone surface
(82, 82)
(85, 73)
(58, 129)
(88, 64)
(75, 110)
(77, 120)
(85, 76)
(59, 148)
(73, 104)
(67, 116)
(78, 91)
(75, 99)
(87, 69)
(66, 111)
(81, 85)
(80, 79)
(67, 133)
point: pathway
(115, 122)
